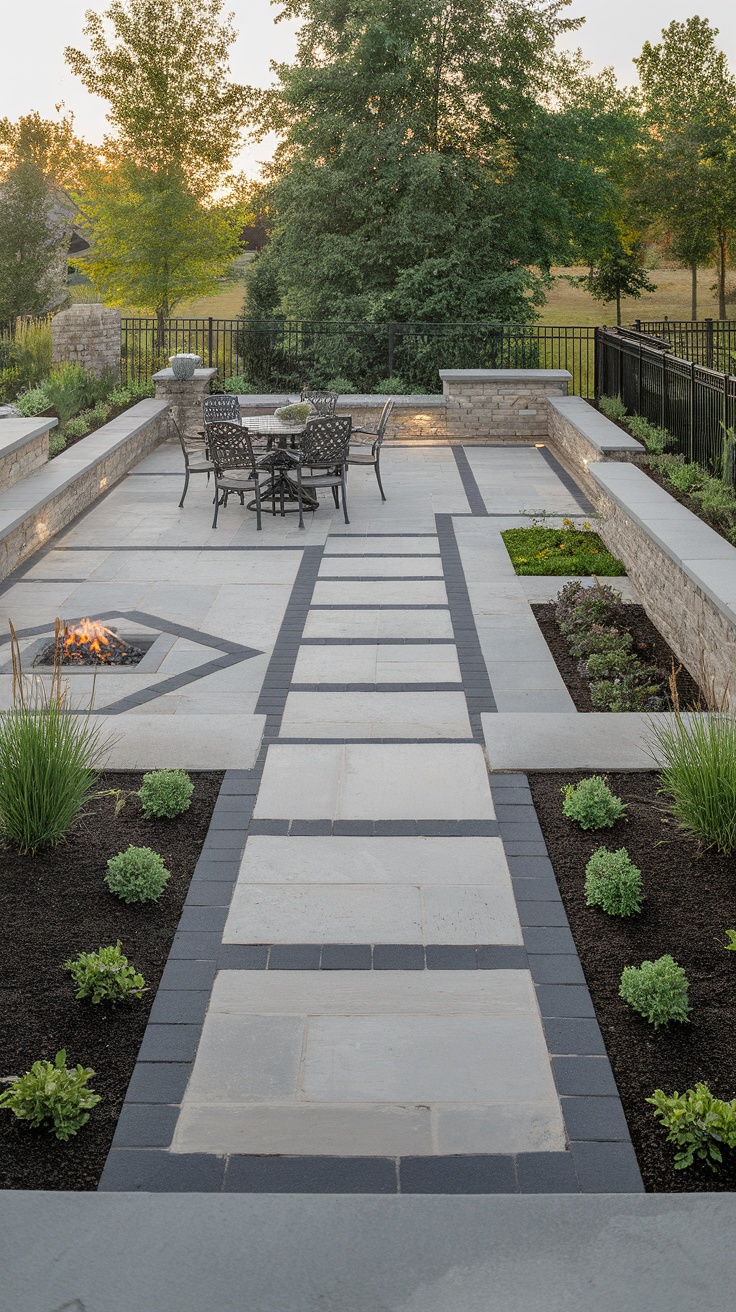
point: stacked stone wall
(88, 335)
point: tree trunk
(160, 331)
(618, 306)
(722, 242)
(694, 290)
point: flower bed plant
(81, 402)
(564, 551)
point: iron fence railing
(285, 354)
(710, 342)
(695, 404)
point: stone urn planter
(183, 366)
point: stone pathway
(373, 987)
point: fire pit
(89, 643)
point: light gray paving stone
(378, 624)
(355, 544)
(344, 860)
(379, 593)
(470, 915)
(360, 1130)
(500, 993)
(384, 567)
(523, 1126)
(375, 715)
(600, 740)
(190, 742)
(534, 700)
(387, 663)
(330, 913)
(247, 1058)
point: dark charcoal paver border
(470, 487)
(473, 669)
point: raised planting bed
(566, 551)
(649, 646)
(690, 902)
(54, 905)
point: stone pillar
(500, 403)
(185, 396)
(88, 335)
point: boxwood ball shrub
(698, 1124)
(105, 975)
(52, 1096)
(137, 875)
(591, 804)
(657, 990)
(613, 883)
(165, 793)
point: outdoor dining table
(280, 463)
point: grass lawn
(573, 305)
(561, 551)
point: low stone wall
(46, 501)
(580, 435)
(185, 397)
(684, 572)
(501, 403)
(24, 447)
(88, 335)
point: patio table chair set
(255, 459)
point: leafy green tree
(163, 67)
(619, 272)
(34, 238)
(688, 165)
(50, 144)
(430, 167)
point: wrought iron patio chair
(373, 438)
(196, 458)
(324, 451)
(221, 406)
(234, 464)
(325, 403)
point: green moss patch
(563, 551)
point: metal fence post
(691, 416)
(709, 343)
(209, 343)
(391, 344)
(662, 399)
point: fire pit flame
(88, 643)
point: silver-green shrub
(698, 1124)
(657, 990)
(613, 883)
(137, 875)
(52, 1096)
(613, 407)
(165, 793)
(105, 975)
(592, 804)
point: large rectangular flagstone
(358, 1130)
(383, 567)
(272, 859)
(375, 715)
(331, 913)
(384, 663)
(359, 545)
(388, 592)
(378, 624)
(375, 781)
(373, 993)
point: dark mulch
(53, 906)
(690, 902)
(649, 645)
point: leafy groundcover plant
(560, 551)
(137, 875)
(613, 883)
(699, 1125)
(619, 679)
(105, 976)
(165, 793)
(52, 1095)
(657, 990)
(698, 775)
(591, 804)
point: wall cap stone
(605, 436)
(701, 553)
(15, 433)
(361, 400)
(167, 376)
(505, 375)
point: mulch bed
(648, 644)
(690, 902)
(53, 906)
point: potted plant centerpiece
(183, 365)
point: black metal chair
(375, 438)
(221, 406)
(324, 450)
(325, 403)
(234, 465)
(196, 458)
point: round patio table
(280, 463)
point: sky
(35, 32)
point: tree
(34, 237)
(688, 167)
(620, 272)
(153, 243)
(165, 72)
(62, 157)
(424, 170)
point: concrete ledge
(364, 400)
(186, 742)
(44, 502)
(604, 438)
(599, 741)
(24, 446)
(505, 375)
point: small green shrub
(655, 439)
(613, 407)
(123, 396)
(33, 402)
(685, 477)
(297, 413)
(636, 690)
(100, 413)
(165, 793)
(342, 386)
(613, 883)
(137, 875)
(57, 444)
(600, 641)
(578, 608)
(52, 1095)
(731, 936)
(592, 804)
(698, 775)
(614, 662)
(105, 976)
(716, 499)
(699, 1125)
(238, 383)
(657, 990)
(393, 386)
(79, 426)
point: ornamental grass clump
(591, 804)
(52, 1096)
(613, 883)
(698, 1124)
(165, 793)
(137, 875)
(105, 976)
(50, 759)
(698, 776)
(657, 990)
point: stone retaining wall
(88, 335)
(684, 572)
(24, 447)
(46, 501)
(501, 403)
(580, 435)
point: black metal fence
(711, 342)
(286, 354)
(695, 404)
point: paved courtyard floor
(373, 987)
